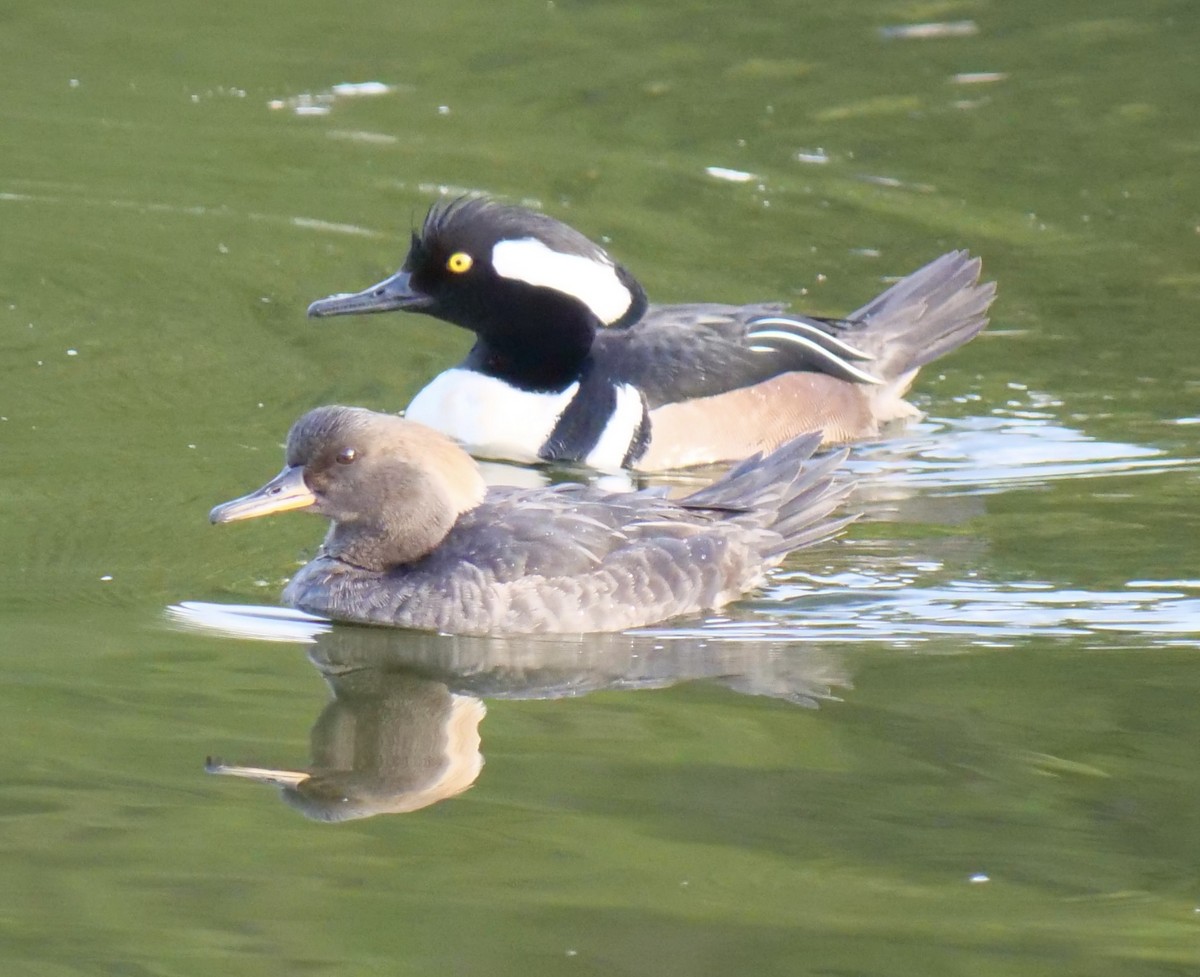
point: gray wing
(567, 530)
(574, 559)
(678, 352)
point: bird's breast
(489, 417)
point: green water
(964, 742)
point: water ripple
(981, 455)
(859, 607)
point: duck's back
(678, 352)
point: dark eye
(346, 456)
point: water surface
(964, 740)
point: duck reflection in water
(401, 731)
(387, 743)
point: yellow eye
(459, 262)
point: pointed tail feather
(786, 491)
(925, 315)
(746, 486)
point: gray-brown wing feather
(926, 314)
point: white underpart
(808, 344)
(613, 446)
(593, 281)
(487, 416)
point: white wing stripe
(823, 355)
(799, 326)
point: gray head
(393, 488)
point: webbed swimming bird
(571, 363)
(419, 541)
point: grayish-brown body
(418, 541)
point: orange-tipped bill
(286, 491)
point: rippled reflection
(387, 742)
(401, 730)
(900, 608)
(1007, 449)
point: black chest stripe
(582, 423)
(640, 440)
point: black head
(533, 289)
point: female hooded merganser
(419, 541)
(570, 363)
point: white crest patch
(593, 281)
(487, 416)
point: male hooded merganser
(570, 363)
(419, 541)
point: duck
(572, 364)
(418, 540)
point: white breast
(490, 418)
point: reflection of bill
(387, 743)
(402, 729)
